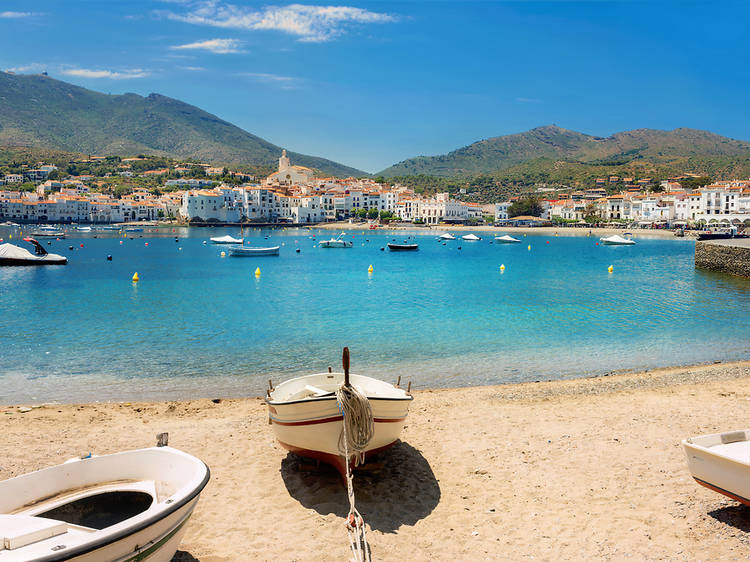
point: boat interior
(734, 445)
(324, 385)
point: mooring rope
(356, 433)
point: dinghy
(48, 232)
(616, 240)
(226, 240)
(336, 243)
(402, 247)
(244, 252)
(721, 462)
(15, 255)
(506, 239)
(132, 505)
(471, 237)
(446, 236)
(306, 418)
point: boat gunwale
(271, 402)
(707, 450)
(131, 530)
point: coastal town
(293, 195)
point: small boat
(306, 419)
(506, 239)
(247, 251)
(470, 237)
(48, 232)
(132, 505)
(133, 229)
(110, 228)
(15, 255)
(616, 240)
(336, 243)
(721, 233)
(11, 224)
(226, 240)
(721, 462)
(83, 228)
(402, 247)
(446, 236)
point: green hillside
(546, 148)
(39, 111)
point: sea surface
(201, 325)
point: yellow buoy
(257, 272)
(610, 269)
(502, 267)
(529, 247)
(135, 277)
(370, 269)
(223, 254)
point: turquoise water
(198, 324)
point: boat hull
(403, 247)
(28, 262)
(252, 252)
(718, 462)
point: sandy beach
(577, 469)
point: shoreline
(504, 471)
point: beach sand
(579, 469)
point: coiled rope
(358, 427)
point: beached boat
(506, 239)
(226, 240)
(616, 240)
(470, 237)
(336, 243)
(402, 247)
(721, 462)
(446, 236)
(242, 251)
(132, 505)
(306, 419)
(11, 254)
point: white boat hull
(311, 426)
(721, 462)
(336, 244)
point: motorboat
(306, 419)
(134, 229)
(83, 228)
(11, 254)
(616, 240)
(446, 236)
(336, 243)
(110, 228)
(48, 232)
(506, 239)
(721, 233)
(226, 240)
(470, 237)
(247, 251)
(402, 247)
(11, 224)
(721, 462)
(132, 505)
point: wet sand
(577, 469)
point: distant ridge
(39, 111)
(551, 144)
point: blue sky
(370, 84)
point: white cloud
(309, 23)
(15, 15)
(110, 74)
(31, 67)
(193, 68)
(283, 82)
(216, 46)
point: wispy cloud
(110, 74)
(193, 68)
(309, 23)
(527, 100)
(16, 15)
(282, 82)
(216, 46)
(31, 67)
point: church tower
(283, 161)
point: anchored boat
(616, 240)
(132, 505)
(446, 236)
(506, 239)
(470, 237)
(306, 418)
(721, 462)
(402, 247)
(336, 243)
(226, 240)
(15, 255)
(244, 252)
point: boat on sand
(226, 240)
(721, 462)
(307, 420)
(616, 240)
(133, 505)
(249, 252)
(11, 254)
(506, 239)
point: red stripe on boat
(722, 491)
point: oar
(345, 361)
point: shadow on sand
(182, 556)
(737, 516)
(397, 488)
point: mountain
(552, 144)
(39, 111)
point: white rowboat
(126, 506)
(307, 421)
(721, 462)
(244, 252)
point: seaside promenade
(565, 470)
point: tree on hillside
(526, 206)
(695, 183)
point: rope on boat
(358, 427)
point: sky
(371, 84)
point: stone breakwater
(730, 256)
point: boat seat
(17, 531)
(315, 391)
